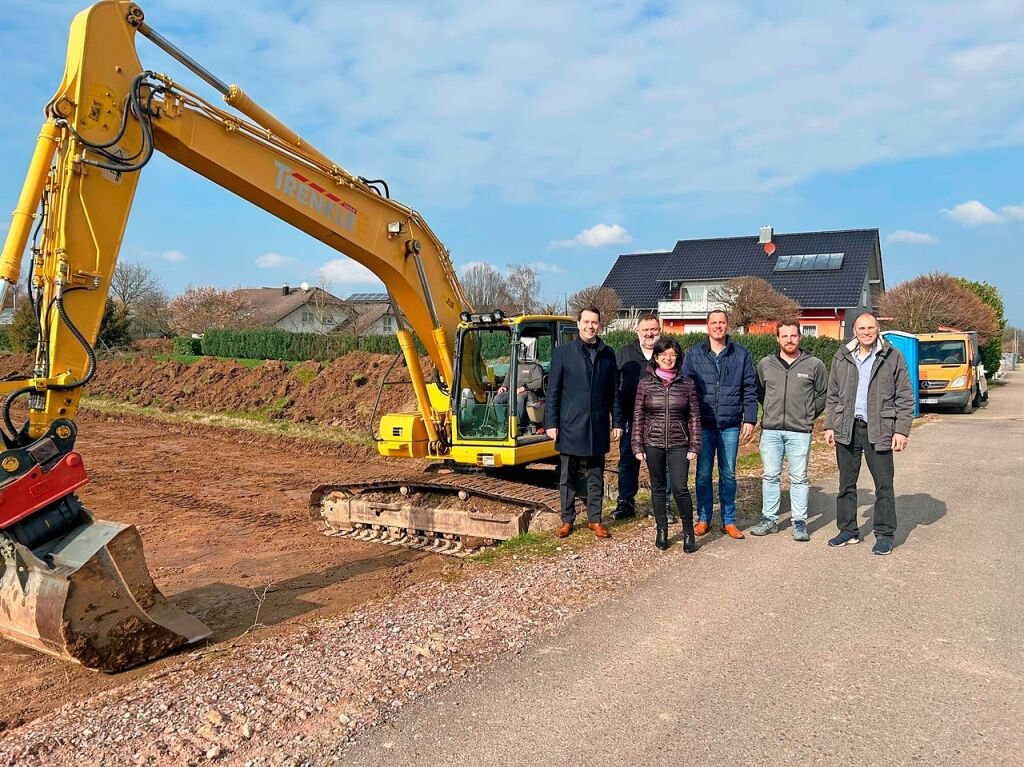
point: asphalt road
(770, 652)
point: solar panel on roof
(808, 261)
(369, 297)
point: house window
(307, 317)
(809, 330)
(387, 325)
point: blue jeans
(725, 443)
(796, 447)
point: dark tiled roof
(634, 278)
(640, 278)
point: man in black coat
(632, 359)
(582, 397)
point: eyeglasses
(667, 355)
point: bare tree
(926, 303)
(523, 288)
(199, 309)
(604, 299)
(326, 307)
(132, 283)
(749, 300)
(151, 315)
(486, 288)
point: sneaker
(883, 545)
(764, 527)
(844, 539)
(799, 531)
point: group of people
(668, 409)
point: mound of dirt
(341, 393)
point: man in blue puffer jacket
(727, 389)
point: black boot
(661, 539)
(625, 510)
(689, 542)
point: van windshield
(942, 353)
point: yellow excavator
(78, 587)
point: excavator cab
(494, 423)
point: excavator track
(445, 512)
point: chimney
(285, 290)
(766, 235)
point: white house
(298, 310)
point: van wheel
(977, 398)
(968, 407)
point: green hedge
(758, 344)
(187, 345)
(5, 340)
(273, 344)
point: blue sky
(562, 135)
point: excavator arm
(72, 585)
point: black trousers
(880, 464)
(677, 466)
(582, 475)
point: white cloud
(597, 236)
(1013, 211)
(542, 267)
(972, 213)
(593, 103)
(174, 256)
(273, 260)
(577, 102)
(917, 238)
(345, 270)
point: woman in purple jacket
(666, 433)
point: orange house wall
(828, 325)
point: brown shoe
(701, 528)
(564, 531)
(733, 532)
(599, 530)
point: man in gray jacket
(868, 411)
(791, 385)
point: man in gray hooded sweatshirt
(791, 385)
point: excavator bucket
(87, 596)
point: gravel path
(259, 702)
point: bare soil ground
(223, 517)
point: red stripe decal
(331, 197)
(316, 188)
(347, 206)
(300, 177)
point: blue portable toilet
(908, 345)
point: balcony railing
(698, 308)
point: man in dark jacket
(791, 385)
(727, 388)
(582, 397)
(868, 412)
(632, 359)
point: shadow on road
(911, 511)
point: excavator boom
(78, 587)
